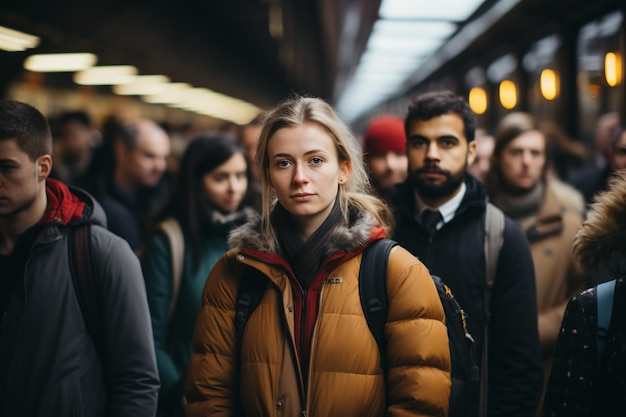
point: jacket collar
(347, 238)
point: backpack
(375, 303)
(82, 272)
(604, 310)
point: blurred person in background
(307, 348)
(618, 146)
(78, 141)
(384, 143)
(593, 177)
(137, 186)
(484, 149)
(249, 136)
(517, 183)
(208, 200)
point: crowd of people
(289, 205)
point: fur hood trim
(345, 237)
(604, 231)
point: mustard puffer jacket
(345, 377)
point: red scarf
(63, 206)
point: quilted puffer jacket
(345, 377)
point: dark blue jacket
(456, 254)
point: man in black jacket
(440, 146)
(51, 364)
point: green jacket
(173, 340)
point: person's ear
(345, 169)
(471, 152)
(44, 167)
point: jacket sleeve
(571, 378)
(129, 359)
(417, 341)
(156, 264)
(515, 357)
(210, 378)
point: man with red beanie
(385, 153)
(51, 362)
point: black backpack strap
(83, 277)
(373, 292)
(252, 286)
(251, 289)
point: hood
(604, 231)
(349, 238)
(70, 205)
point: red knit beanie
(384, 134)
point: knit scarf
(520, 206)
(305, 257)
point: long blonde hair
(355, 193)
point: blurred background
(213, 64)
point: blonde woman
(306, 350)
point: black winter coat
(456, 254)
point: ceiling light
(12, 40)
(60, 62)
(172, 93)
(142, 85)
(451, 10)
(107, 75)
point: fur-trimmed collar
(604, 231)
(345, 237)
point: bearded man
(440, 217)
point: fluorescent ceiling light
(450, 10)
(60, 62)
(143, 85)
(12, 40)
(106, 75)
(210, 103)
(172, 93)
(412, 28)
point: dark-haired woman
(208, 200)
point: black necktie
(430, 219)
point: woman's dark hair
(186, 202)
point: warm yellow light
(173, 93)
(548, 84)
(106, 75)
(508, 94)
(613, 68)
(478, 100)
(60, 62)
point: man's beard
(431, 190)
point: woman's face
(305, 172)
(226, 185)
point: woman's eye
(283, 164)
(316, 161)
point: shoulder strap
(174, 233)
(252, 286)
(373, 291)
(604, 310)
(251, 289)
(494, 230)
(83, 277)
